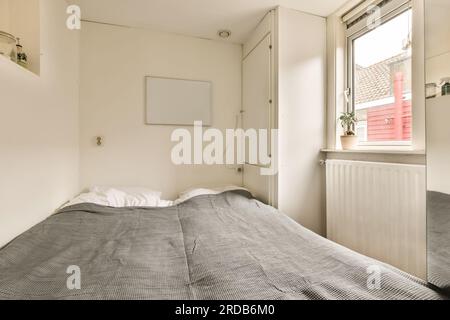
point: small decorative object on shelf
(445, 88)
(22, 58)
(349, 140)
(7, 45)
(431, 90)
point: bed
(227, 246)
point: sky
(383, 42)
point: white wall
(437, 14)
(39, 128)
(438, 67)
(114, 62)
(438, 144)
(302, 92)
(336, 42)
(4, 15)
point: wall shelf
(5, 62)
(21, 19)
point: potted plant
(349, 140)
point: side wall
(302, 105)
(39, 128)
(437, 44)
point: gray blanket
(439, 239)
(211, 247)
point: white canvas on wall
(178, 102)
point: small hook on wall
(99, 140)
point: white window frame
(387, 13)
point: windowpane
(382, 82)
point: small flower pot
(349, 142)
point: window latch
(347, 94)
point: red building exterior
(383, 100)
(391, 122)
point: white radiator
(379, 210)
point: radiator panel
(379, 210)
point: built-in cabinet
(284, 76)
(258, 69)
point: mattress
(212, 247)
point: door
(257, 110)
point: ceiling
(198, 18)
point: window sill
(378, 151)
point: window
(380, 77)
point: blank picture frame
(178, 102)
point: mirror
(437, 43)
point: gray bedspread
(439, 239)
(228, 246)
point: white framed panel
(178, 102)
(257, 80)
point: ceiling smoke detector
(224, 34)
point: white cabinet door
(257, 79)
(257, 107)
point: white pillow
(90, 197)
(191, 193)
(121, 197)
(129, 196)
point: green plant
(348, 122)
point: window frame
(387, 13)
